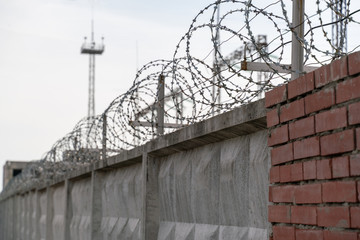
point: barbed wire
(205, 78)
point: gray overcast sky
(43, 76)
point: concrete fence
(206, 181)
(213, 180)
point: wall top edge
(243, 120)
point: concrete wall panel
(205, 184)
(11, 218)
(121, 203)
(209, 187)
(259, 180)
(166, 231)
(206, 232)
(234, 182)
(81, 210)
(42, 214)
(33, 215)
(27, 198)
(184, 231)
(22, 214)
(58, 228)
(182, 190)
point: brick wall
(314, 132)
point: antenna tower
(92, 49)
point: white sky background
(44, 78)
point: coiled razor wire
(200, 81)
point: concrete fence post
(151, 214)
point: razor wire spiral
(200, 81)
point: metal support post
(91, 103)
(104, 137)
(160, 105)
(297, 51)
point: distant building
(12, 169)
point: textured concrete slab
(33, 220)
(121, 202)
(259, 180)
(206, 232)
(205, 184)
(219, 189)
(81, 210)
(234, 184)
(42, 214)
(184, 231)
(58, 227)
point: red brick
(358, 138)
(309, 234)
(322, 76)
(307, 148)
(340, 167)
(309, 170)
(275, 96)
(301, 85)
(302, 128)
(337, 143)
(283, 233)
(354, 113)
(303, 215)
(285, 173)
(339, 191)
(310, 193)
(333, 217)
(296, 172)
(272, 118)
(336, 70)
(358, 191)
(323, 169)
(348, 90)
(279, 213)
(354, 63)
(283, 194)
(292, 110)
(278, 135)
(329, 120)
(275, 174)
(320, 100)
(355, 217)
(339, 69)
(355, 165)
(331, 235)
(282, 154)
(270, 193)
